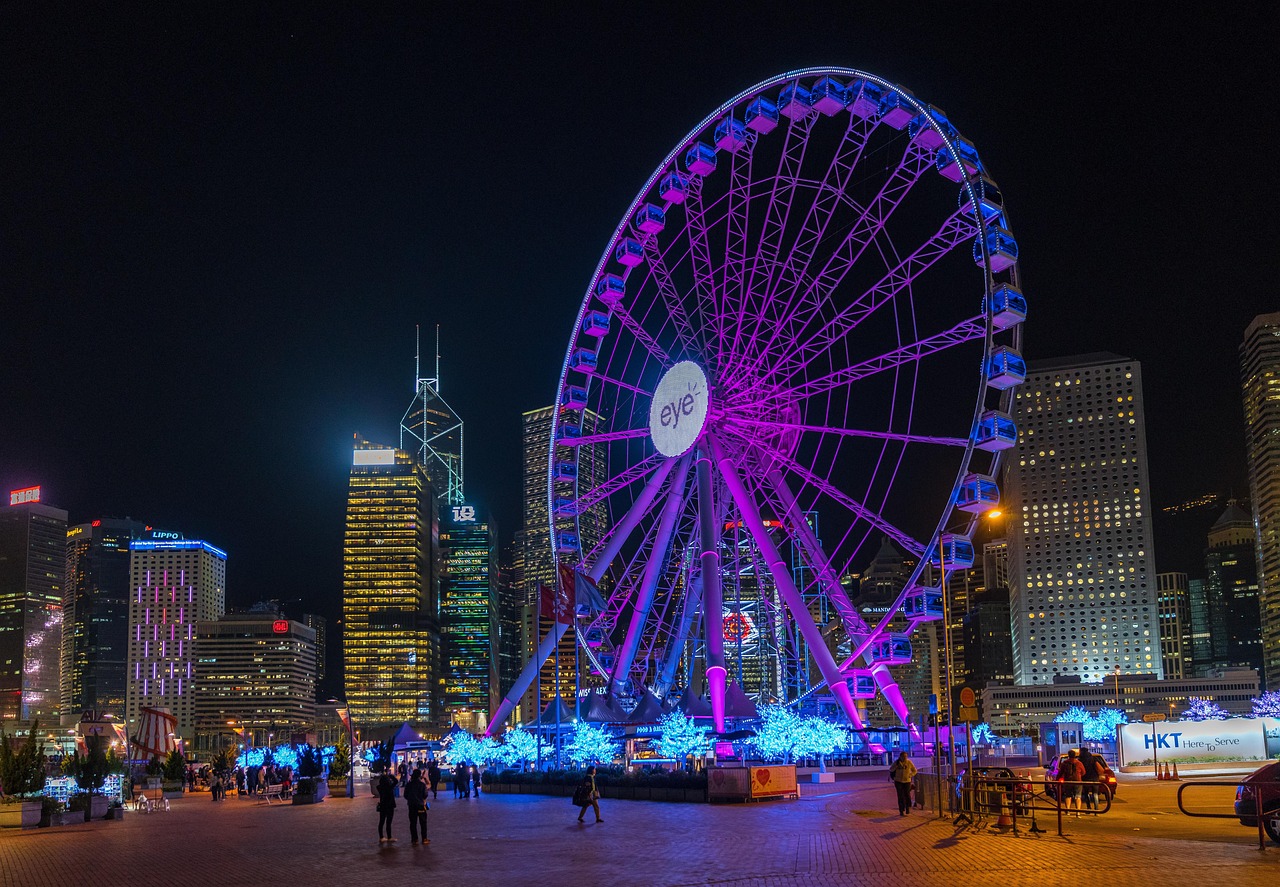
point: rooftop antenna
(434, 428)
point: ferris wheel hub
(679, 410)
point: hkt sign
(463, 514)
(679, 409)
(1237, 739)
(18, 497)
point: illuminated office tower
(174, 584)
(320, 626)
(33, 563)
(256, 678)
(95, 617)
(469, 628)
(1231, 589)
(1175, 624)
(1260, 357)
(534, 538)
(432, 431)
(391, 590)
(1082, 583)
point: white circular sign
(679, 408)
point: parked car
(1264, 782)
(990, 783)
(1106, 774)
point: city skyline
(208, 263)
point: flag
(546, 602)
(563, 605)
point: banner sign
(1235, 739)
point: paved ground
(847, 834)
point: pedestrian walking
(901, 775)
(587, 795)
(1092, 775)
(386, 806)
(474, 775)
(433, 777)
(1070, 777)
(415, 798)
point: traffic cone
(1165, 777)
(1160, 772)
(1175, 777)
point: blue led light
(183, 545)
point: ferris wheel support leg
(652, 573)
(675, 648)
(892, 694)
(787, 588)
(628, 523)
(509, 702)
(713, 601)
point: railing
(1257, 800)
(1009, 799)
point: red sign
(27, 494)
(280, 626)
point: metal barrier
(1257, 799)
(1009, 798)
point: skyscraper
(174, 584)
(1175, 624)
(95, 616)
(1231, 587)
(1260, 359)
(1082, 580)
(33, 563)
(469, 617)
(432, 431)
(391, 590)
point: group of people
(1084, 770)
(417, 785)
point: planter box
(338, 787)
(98, 806)
(116, 813)
(695, 796)
(58, 820)
(24, 814)
(172, 791)
(819, 777)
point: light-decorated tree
(1102, 726)
(591, 745)
(681, 737)
(1076, 714)
(1199, 709)
(1267, 705)
(519, 748)
(463, 747)
(818, 736)
(775, 737)
(982, 734)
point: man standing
(902, 773)
(415, 798)
(1071, 771)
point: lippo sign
(1236, 739)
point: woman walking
(386, 806)
(415, 798)
(901, 775)
(433, 777)
(586, 795)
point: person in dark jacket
(587, 795)
(386, 806)
(460, 787)
(415, 798)
(433, 777)
(1092, 775)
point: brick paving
(850, 835)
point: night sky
(218, 233)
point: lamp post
(1117, 675)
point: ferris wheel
(800, 341)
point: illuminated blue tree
(818, 736)
(982, 734)
(681, 737)
(1103, 725)
(465, 748)
(591, 745)
(775, 737)
(519, 748)
(1267, 705)
(1076, 714)
(1203, 710)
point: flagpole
(537, 624)
(559, 599)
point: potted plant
(311, 787)
(155, 772)
(90, 773)
(22, 776)
(339, 767)
(56, 813)
(175, 768)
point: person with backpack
(901, 774)
(415, 798)
(1071, 771)
(433, 777)
(386, 806)
(587, 795)
(1092, 775)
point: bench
(271, 792)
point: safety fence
(1012, 802)
(1257, 804)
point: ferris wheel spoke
(704, 282)
(965, 331)
(769, 424)
(794, 314)
(830, 192)
(618, 383)
(613, 542)
(737, 222)
(642, 336)
(661, 277)
(856, 508)
(644, 596)
(605, 437)
(955, 232)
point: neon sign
(27, 494)
(280, 626)
(464, 513)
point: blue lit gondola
(996, 431)
(829, 96)
(923, 604)
(595, 323)
(795, 101)
(674, 187)
(866, 98)
(977, 493)
(762, 115)
(650, 219)
(1006, 306)
(1006, 368)
(611, 289)
(630, 252)
(730, 135)
(1001, 247)
(583, 360)
(700, 159)
(957, 552)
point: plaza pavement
(846, 834)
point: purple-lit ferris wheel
(800, 341)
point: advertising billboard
(1189, 742)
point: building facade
(95, 617)
(33, 564)
(469, 629)
(255, 679)
(988, 642)
(174, 585)
(391, 591)
(1175, 625)
(1083, 596)
(1260, 383)
(1231, 587)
